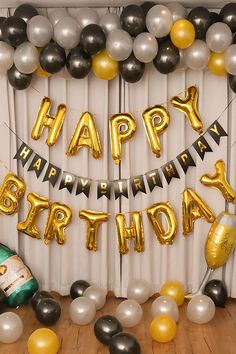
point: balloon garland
(168, 36)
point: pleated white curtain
(56, 266)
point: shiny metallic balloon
(139, 290)
(26, 58)
(165, 305)
(78, 288)
(177, 10)
(11, 327)
(132, 19)
(124, 343)
(145, 47)
(228, 15)
(159, 21)
(106, 327)
(17, 79)
(197, 55)
(67, 33)
(86, 16)
(110, 22)
(131, 69)
(230, 59)
(219, 37)
(52, 58)
(82, 310)
(26, 12)
(119, 45)
(98, 295)
(56, 15)
(14, 31)
(39, 31)
(6, 57)
(200, 309)
(129, 313)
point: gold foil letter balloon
(119, 135)
(188, 106)
(156, 120)
(11, 191)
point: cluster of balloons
(47, 309)
(168, 36)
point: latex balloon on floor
(139, 290)
(78, 288)
(92, 39)
(38, 296)
(129, 313)
(11, 327)
(201, 19)
(228, 14)
(124, 343)
(167, 58)
(106, 327)
(6, 57)
(52, 58)
(3, 300)
(39, 31)
(110, 22)
(48, 311)
(26, 12)
(132, 69)
(18, 80)
(132, 20)
(163, 328)
(14, 31)
(78, 63)
(174, 289)
(217, 291)
(43, 341)
(201, 309)
(2, 19)
(82, 310)
(165, 305)
(98, 295)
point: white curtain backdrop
(56, 267)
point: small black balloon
(232, 82)
(3, 300)
(132, 20)
(124, 343)
(48, 311)
(105, 328)
(78, 288)
(78, 63)
(92, 39)
(217, 291)
(2, 19)
(167, 58)
(215, 17)
(38, 296)
(26, 12)
(228, 14)
(131, 69)
(52, 58)
(201, 19)
(18, 80)
(146, 6)
(14, 31)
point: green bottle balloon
(16, 279)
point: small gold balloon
(43, 341)
(163, 328)
(174, 289)
(42, 73)
(182, 34)
(104, 67)
(216, 64)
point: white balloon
(82, 310)
(39, 31)
(110, 22)
(197, 55)
(145, 47)
(139, 290)
(6, 57)
(159, 21)
(178, 11)
(26, 58)
(200, 309)
(129, 313)
(165, 305)
(11, 327)
(230, 60)
(219, 37)
(87, 16)
(98, 295)
(67, 33)
(119, 45)
(57, 14)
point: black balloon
(18, 80)
(146, 6)
(232, 82)
(167, 57)
(78, 63)
(201, 19)
(48, 311)
(215, 17)
(3, 300)
(26, 12)
(228, 14)
(131, 69)
(105, 328)
(92, 39)
(52, 58)
(124, 343)
(14, 31)
(38, 296)
(78, 288)
(2, 19)
(217, 291)
(132, 20)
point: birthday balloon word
(122, 126)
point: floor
(217, 337)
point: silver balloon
(6, 57)
(86, 17)
(200, 309)
(11, 327)
(139, 290)
(26, 58)
(119, 45)
(165, 305)
(56, 15)
(110, 22)
(177, 10)
(197, 55)
(182, 65)
(82, 310)
(96, 294)
(129, 313)
(145, 47)
(159, 21)
(230, 60)
(219, 37)
(39, 31)
(67, 33)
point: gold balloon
(37, 204)
(94, 219)
(59, 218)
(154, 214)
(119, 135)
(193, 208)
(134, 232)
(11, 191)
(104, 67)
(53, 123)
(175, 290)
(41, 73)
(216, 64)
(219, 181)
(85, 134)
(182, 34)
(43, 341)
(163, 328)
(188, 106)
(156, 121)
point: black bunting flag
(23, 154)
(83, 186)
(37, 165)
(104, 189)
(52, 174)
(120, 188)
(67, 181)
(216, 132)
(202, 146)
(185, 160)
(153, 179)
(169, 170)
(137, 185)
